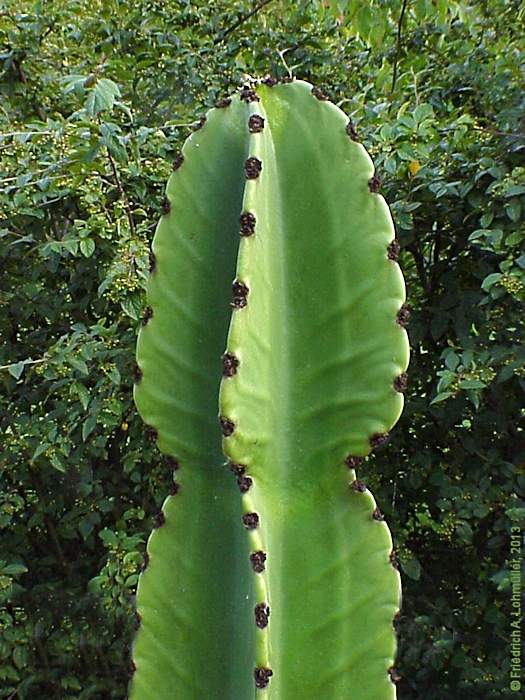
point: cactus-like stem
(196, 586)
(319, 351)
(313, 366)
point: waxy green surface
(196, 586)
(318, 350)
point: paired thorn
(393, 250)
(378, 439)
(394, 675)
(247, 222)
(252, 168)
(374, 184)
(159, 519)
(237, 469)
(401, 382)
(244, 483)
(351, 131)
(262, 676)
(250, 521)
(224, 102)
(378, 515)
(137, 374)
(393, 559)
(262, 614)
(172, 462)
(403, 316)
(198, 124)
(230, 363)
(358, 486)
(138, 620)
(147, 315)
(269, 81)
(165, 206)
(177, 161)
(151, 433)
(258, 560)
(227, 426)
(319, 94)
(255, 124)
(248, 94)
(353, 462)
(152, 262)
(240, 293)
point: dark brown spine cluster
(262, 614)
(358, 486)
(319, 94)
(247, 222)
(198, 124)
(230, 364)
(151, 433)
(378, 515)
(403, 316)
(171, 462)
(244, 483)
(224, 102)
(255, 124)
(287, 79)
(351, 131)
(159, 519)
(258, 560)
(227, 426)
(393, 559)
(177, 161)
(174, 488)
(394, 675)
(152, 262)
(147, 315)
(252, 168)
(401, 382)
(250, 521)
(137, 374)
(165, 206)
(269, 81)
(248, 94)
(353, 462)
(145, 562)
(262, 677)
(393, 250)
(378, 439)
(374, 184)
(237, 469)
(240, 294)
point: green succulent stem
(314, 359)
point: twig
(240, 21)
(398, 48)
(122, 193)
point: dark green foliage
(97, 98)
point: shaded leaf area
(97, 99)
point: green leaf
(102, 96)
(16, 369)
(88, 426)
(87, 247)
(412, 568)
(14, 569)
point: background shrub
(97, 96)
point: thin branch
(240, 21)
(398, 48)
(122, 193)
